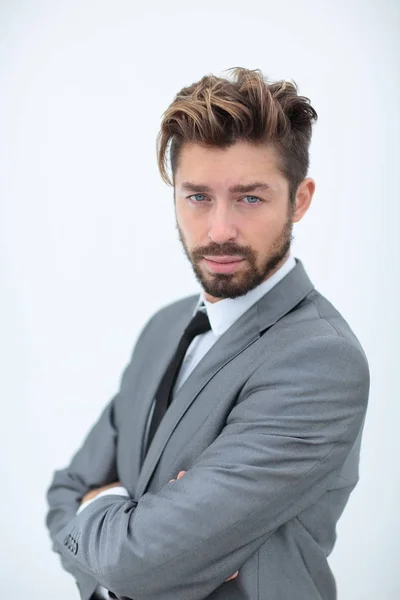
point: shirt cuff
(114, 491)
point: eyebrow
(188, 186)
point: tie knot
(199, 324)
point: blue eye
(258, 199)
(194, 195)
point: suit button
(75, 550)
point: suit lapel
(161, 353)
(247, 329)
(231, 343)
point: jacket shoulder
(315, 318)
(176, 308)
(171, 313)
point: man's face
(219, 221)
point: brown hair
(218, 112)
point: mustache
(221, 250)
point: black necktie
(199, 324)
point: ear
(303, 198)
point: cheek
(267, 226)
(183, 215)
(192, 225)
(182, 219)
(262, 234)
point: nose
(222, 228)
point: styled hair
(218, 112)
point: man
(222, 465)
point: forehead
(241, 163)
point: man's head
(239, 157)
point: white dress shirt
(222, 315)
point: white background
(89, 248)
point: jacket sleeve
(92, 466)
(283, 443)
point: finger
(181, 474)
(232, 576)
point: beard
(234, 285)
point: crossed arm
(107, 489)
(278, 453)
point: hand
(93, 493)
(181, 474)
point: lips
(224, 259)
(223, 264)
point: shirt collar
(225, 312)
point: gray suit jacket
(268, 427)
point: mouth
(224, 259)
(223, 264)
